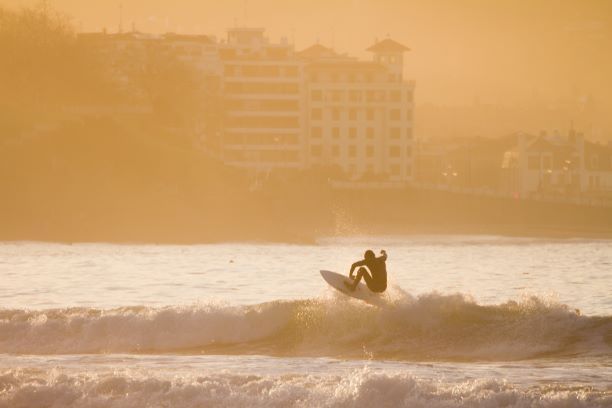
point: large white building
(359, 112)
(316, 108)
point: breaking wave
(361, 388)
(430, 327)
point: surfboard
(361, 292)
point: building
(467, 163)
(359, 113)
(263, 102)
(199, 51)
(553, 164)
(281, 109)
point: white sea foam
(361, 388)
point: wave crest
(429, 327)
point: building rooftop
(388, 45)
(348, 64)
(185, 37)
(317, 51)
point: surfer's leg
(361, 273)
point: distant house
(557, 165)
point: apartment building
(316, 108)
(263, 102)
(359, 112)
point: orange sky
(503, 51)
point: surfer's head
(369, 254)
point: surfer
(376, 278)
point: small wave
(429, 327)
(361, 388)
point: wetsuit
(377, 281)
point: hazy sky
(503, 51)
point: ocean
(468, 321)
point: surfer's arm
(355, 265)
(383, 255)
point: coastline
(297, 220)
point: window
(394, 133)
(335, 132)
(316, 114)
(408, 151)
(395, 96)
(336, 114)
(395, 169)
(394, 114)
(316, 150)
(370, 114)
(394, 151)
(370, 96)
(409, 96)
(316, 95)
(369, 151)
(352, 132)
(409, 114)
(352, 152)
(335, 150)
(533, 162)
(353, 114)
(316, 132)
(370, 133)
(291, 71)
(355, 96)
(546, 162)
(336, 96)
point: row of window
(546, 162)
(391, 59)
(263, 105)
(318, 95)
(262, 155)
(265, 71)
(261, 88)
(316, 132)
(267, 53)
(260, 139)
(258, 122)
(317, 150)
(352, 77)
(357, 114)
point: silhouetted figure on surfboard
(375, 275)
